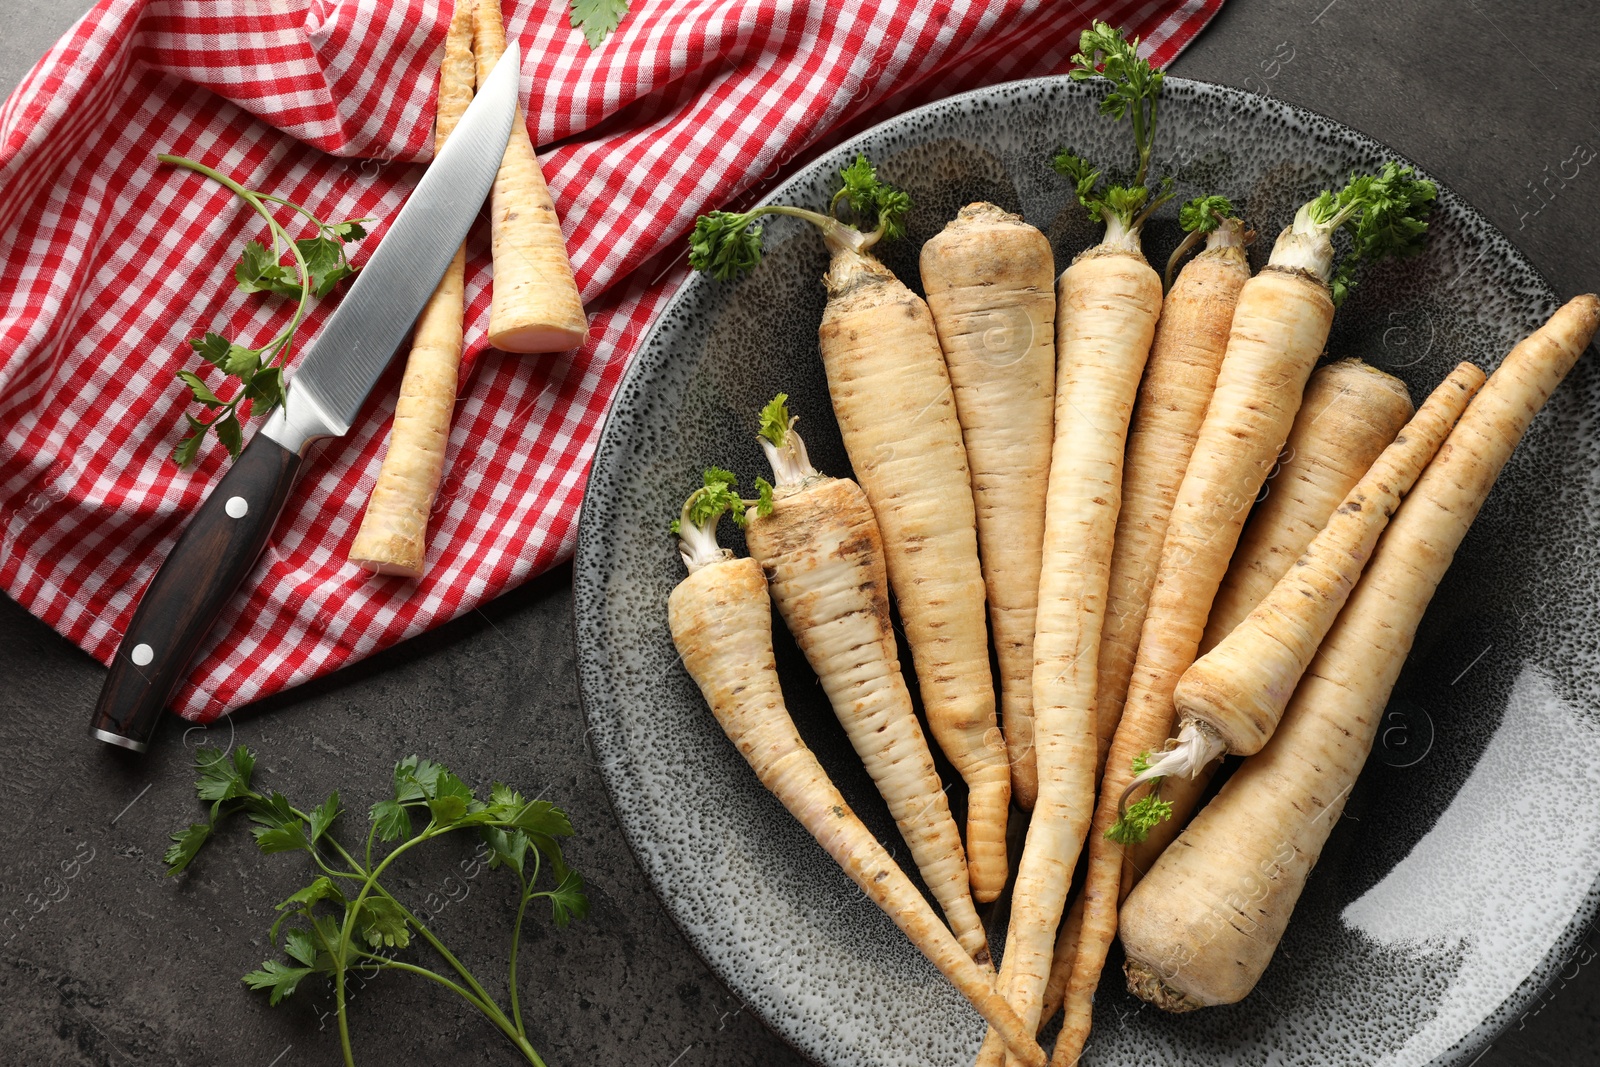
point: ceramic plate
(1454, 888)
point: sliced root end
(532, 340)
(388, 567)
(1148, 986)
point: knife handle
(205, 567)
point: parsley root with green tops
(896, 411)
(1350, 413)
(1202, 926)
(721, 622)
(1280, 327)
(1107, 304)
(1190, 339)
(1232, 698)
(817, 541)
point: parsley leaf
(1204, 214)
(506, 848)
(322, 264)
(277, 827)
(763, 497)
(725, 245)
(324, 258)
(222, 778)
(449, 798)
(231, 434)
(186, 845)
(775, 420)
(1384, 214)
(258, 271)
(717, 496)
(1141, 816)
(201, 392)
(323, 815)
(346, 919)
(874, 203)
(391, 819)
(567, 900)
(382, 923)
(280, 979)
(597, 18)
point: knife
(220, 545)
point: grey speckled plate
(1447, 897)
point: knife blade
(219, 547)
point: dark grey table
(135, 968)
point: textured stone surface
(129, 967)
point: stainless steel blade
(361, 336)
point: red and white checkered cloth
(109, 261)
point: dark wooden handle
(190, 590)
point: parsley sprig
(1197, 217)
(346, 918)
(1134, 93)
(597, 18)
(1385, 214)
(1134, 824)
(726, 244)
(320, 263)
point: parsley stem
(488, 1007)
(279, 344)
(427, 935)
(387, 964)
(516, 939)
(339, 1011)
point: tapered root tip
(988, 804)
(1149, 987)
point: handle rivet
(142, 655)
(237, 507)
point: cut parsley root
(1233, 697)
(1349, 415)
(1280, 327)
(320, 263)
(817, 541)
(535, 306)
(990, 280)
(393, 538)
(721, 622)
(1202, 926)
(896, 411)
(1107, 304)
(1178, 379)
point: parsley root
(1350, 413)
(1232, 698)
(393, 538)
(535, 306)
(1280, 327)
(817, 541)
(990, 280)
(721, 622)
(1190, 339)
(896, 411)
(1202, 926)
(1107, 304)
